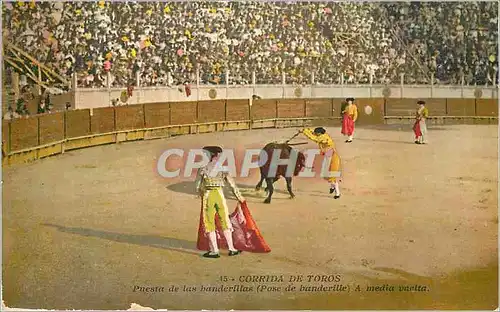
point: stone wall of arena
(93, 98)
(27, 139)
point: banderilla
(292, 144)
(296, 134)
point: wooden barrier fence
(26, 139)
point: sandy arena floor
(80, 230)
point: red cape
(246, 236)
(416, 129)
(347, 125)
(187, 89)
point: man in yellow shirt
(327, 148)
(350, 114)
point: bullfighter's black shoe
(417, 142)
(336, 196)
(332, 190)
(234, 253)
(211, 255)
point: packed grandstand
(324, 43)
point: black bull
(285, 150)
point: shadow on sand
(403, 127)
(385, 141)
(187, 187)
(143, 240)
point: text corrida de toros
(297, 278)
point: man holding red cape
(349, 116)
(419, 127)
(240, 233)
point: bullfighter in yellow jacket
(327, 148)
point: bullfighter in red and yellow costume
(420, 127)
(349, 117)
(327, 148)
(239, 229)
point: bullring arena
(82, 228)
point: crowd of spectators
(168, 43)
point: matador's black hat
(421, 102)
(349, 99)
(320, 130)
(213, 150)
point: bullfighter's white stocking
(213, 242)
(229, 239)
(422, 138)
(337, 188)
